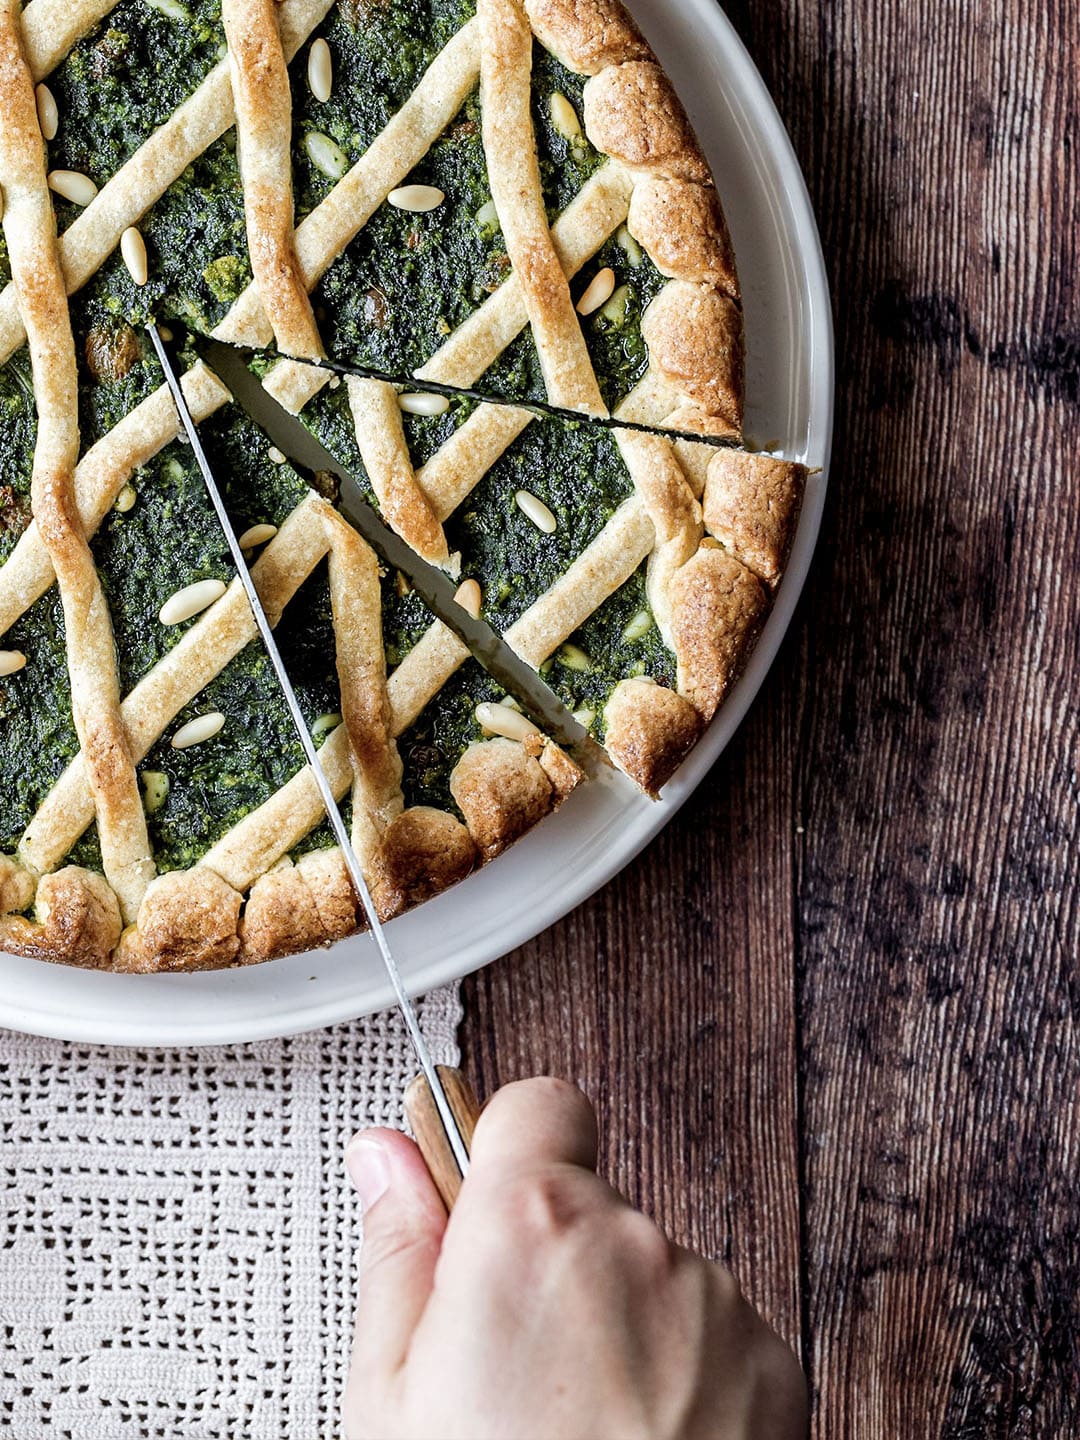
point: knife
(309, 456)
(540, 408)
(439, 1102)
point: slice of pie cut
(637, 595)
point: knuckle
(725, 1288)
(542, 1093)
(653, 1255)
(543, 1206)
(527, 1214)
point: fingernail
(365, 1161)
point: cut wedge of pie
(502, 196)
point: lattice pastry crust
(713, 526)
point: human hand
(545, 1308)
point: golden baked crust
(752, 505)
(681, 224)
(633, 114)
(76, 921)
(423, 852)
(718, 607)
(650, 730)
(188, 920)
(695, 339)
(298, 907)
(587, 37)
(502, 790)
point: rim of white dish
(604, 826)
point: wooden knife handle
(426, 1124)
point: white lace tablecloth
(178, 1234)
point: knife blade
(309, 456)
(457, 1140)
(540, 408)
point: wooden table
(830, 1017)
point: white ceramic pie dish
(604, 825)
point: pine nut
(275, 456)
(626, 241)
(10, 661)
(615, 309)
(598, 292)
(320, 71)
(155, 785)
(585, 717)
(257, 535)
(325, 723)
(125, 501)
(326, 154)
(203, 727)
(133, 250)
(487, 218)
(418, 198)
(501, 720)
(574, 658)
(48, 115)
(190, 601)
(468, 597)
(421, 404)
(639, 626)
(536, 511)
(73, 186)
(564, 117)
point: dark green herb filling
(432, 746)
(380, 52)
(124, 79)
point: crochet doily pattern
(179, 1234)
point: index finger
(542, 1121)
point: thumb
(404, 1220)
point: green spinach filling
(124, 79)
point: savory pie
(500, 196)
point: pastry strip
(30, 231)
(410, 134)
(514, 176)
(51, 27)
(263, 104)
(259, 841)
(380, 437)
(463, 460)
(356, 600)
(593, 215)
(597, 572)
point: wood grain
(830, 1017)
